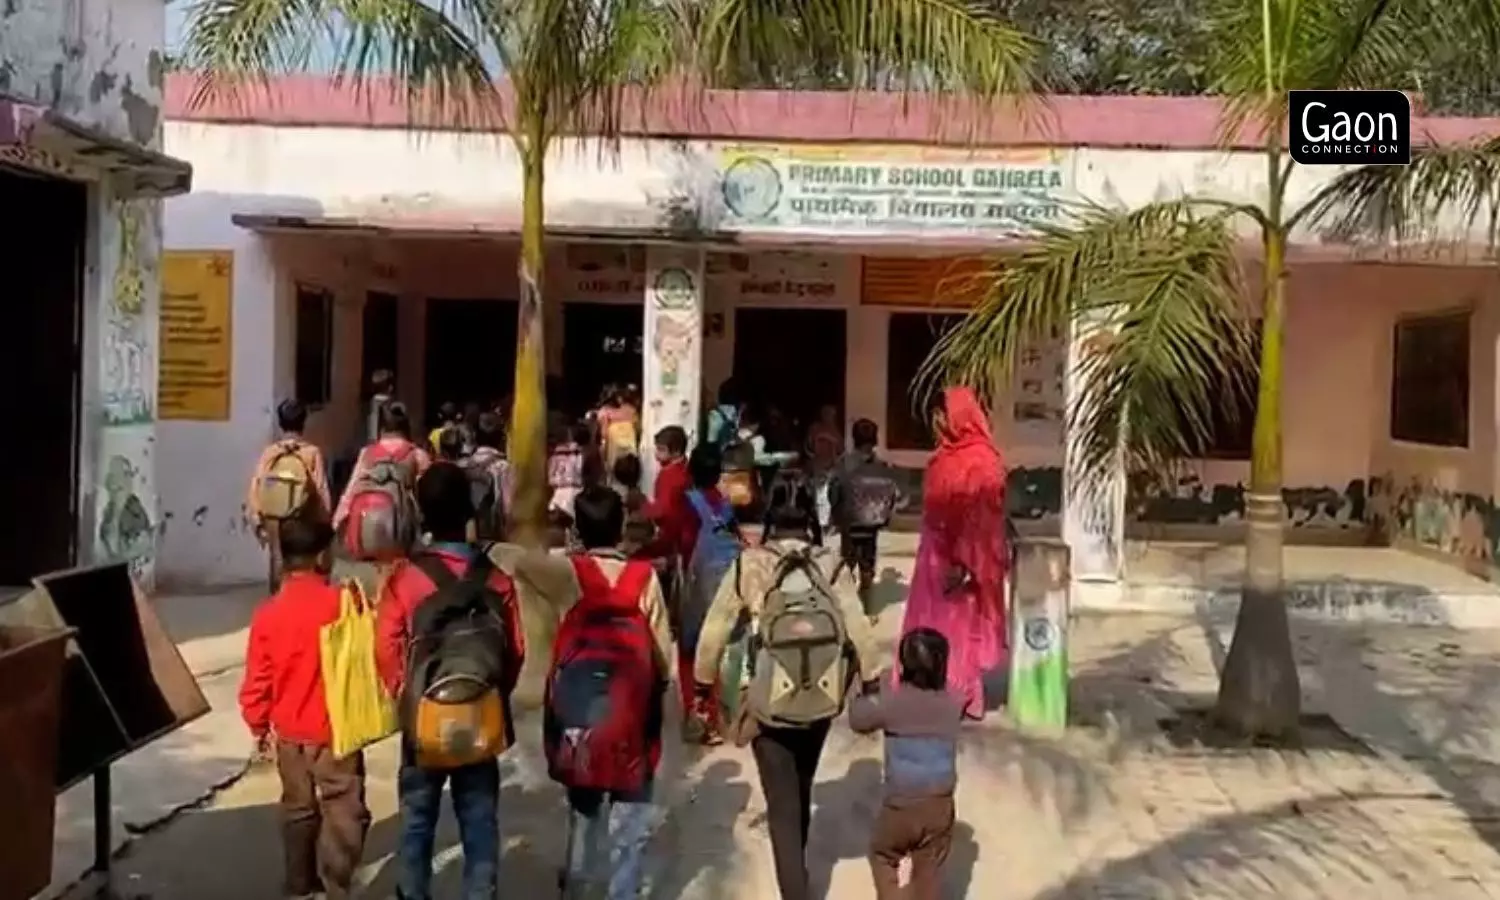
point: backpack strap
(436, 570)
(591, 580)
(633, 580)
(707, 515)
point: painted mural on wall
(1031, 493)
(126, 516)
(1417, 510)
(1039, 382)
(1188, 500)
(673, 327)
(1035, 494)
(128, 361)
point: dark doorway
(379, 339)
(471, 351)
(43, 254)
(601, 345)
(792, 359)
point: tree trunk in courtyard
(1259, 690)
(528, 419)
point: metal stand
(100, 874)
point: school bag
(738, 479)
(487, 494)
(603, 706)
(715, 551)
(285, 489)
(723, 426)
(800, 669)
(868, 496)
(619, 440)
(382, 520)
(453, 712)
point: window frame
(1402, 428)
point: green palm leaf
(1164, 280)
(1445, 190)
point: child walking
(323, 813)
(603, 722)
(920, 718)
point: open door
(40, 366)
(792, 359)
(601, 346)
(471, 352)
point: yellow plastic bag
(358, 707)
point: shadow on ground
(1419, 700)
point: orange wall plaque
(936, 282)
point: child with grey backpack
(803, 623)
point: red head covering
(964, 491)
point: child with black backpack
(862, 495)
(798, 666)
(449, 646)
(604, 703)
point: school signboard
(879, 190)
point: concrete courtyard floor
(1110, 809)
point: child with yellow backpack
(290, 482)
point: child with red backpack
(604, 707)
(377, 519)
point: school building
(82, 174)
(811, 245)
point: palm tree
(1168, 275)
(568, 68)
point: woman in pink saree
(958, 585)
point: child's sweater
(921, 738)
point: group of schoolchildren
(768, 642)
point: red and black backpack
(601, 727)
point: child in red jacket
(324, 817)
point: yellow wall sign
(196, 340)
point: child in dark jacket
(920, 718)
(862, 494)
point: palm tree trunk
(528, 420)
(1259, 691)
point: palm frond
(904, 45)
(1260, 52)
(422, 48)
(1162, 283)
(1446, 189)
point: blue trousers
(476, 801)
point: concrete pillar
(673, 348)
(1093, 502)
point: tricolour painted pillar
(1093, 501)
(673, 346)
